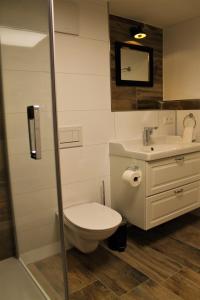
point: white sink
(160, 147)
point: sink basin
(160, 147)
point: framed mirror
(133, 64)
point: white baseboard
(40, 253)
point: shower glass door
(30, 122)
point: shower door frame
(56, 143)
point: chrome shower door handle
(33, 114)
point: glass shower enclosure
(29, 109)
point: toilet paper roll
(132, 177)
(188, 134)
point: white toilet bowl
(88, 224)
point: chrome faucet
(147, 135)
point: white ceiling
(161, 13)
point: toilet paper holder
(189, 116)
(132, 175)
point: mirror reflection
(134, 64)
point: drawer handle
(178, 191)
(179, 158)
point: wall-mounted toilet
(89, 223)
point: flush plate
(70, 136)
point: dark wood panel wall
(6, 228)
(126, 98)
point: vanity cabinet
(169, 188)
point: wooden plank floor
(161, 264)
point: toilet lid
(93, 216)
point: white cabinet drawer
(171, 204)
(166, 174)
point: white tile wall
(86, 191)
(83, 98)
(82, 92)
(79, 55)
(180, 117)
(94, 20)
(66, 10)
(168, 129)
(84, 163)
(98, 126)
(131, 124)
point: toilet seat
(92, 216)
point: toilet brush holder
(118, 241)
